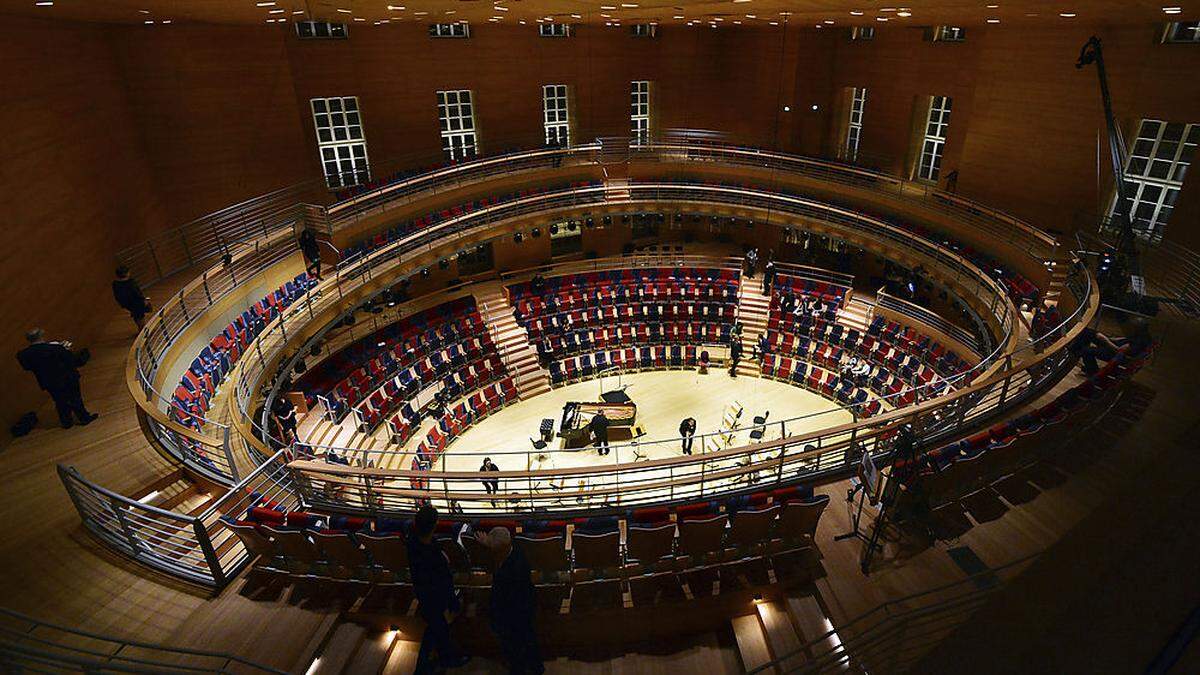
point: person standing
(311, 249)
(437, 600)
(130, 297)
(687, 433)
(513, 604)
(735, 355)
(751, 262)
(491, 485)
(764, 346)
(285, 418)
(768, 277)
(57, 371)
(599, 425)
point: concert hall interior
(735, 336)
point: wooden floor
(53, 570)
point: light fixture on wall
(536, 232)
(517, 237)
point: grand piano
(577, 415)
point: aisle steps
(779, 629)
(857, 314)
(753, 311)
(512, 341)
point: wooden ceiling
(727, 13)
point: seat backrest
(751, 527)
(252, 539)
(651, 542)
(340, 548)
(387, 550)
(701, 536)
(596, 550)
(545, 554)
(798, 520)
(293, 544)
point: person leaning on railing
(57, 371)
(130, 296)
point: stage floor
(663, 398)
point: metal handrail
(177, 438)
(878, 629)
(25, 645)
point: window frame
(858, 104)
(933, 143)
(555, 30)
(330, 30)
(862, 33)
(640, 92)
(337, 150)
(462, 142)
(556, 118)
(1157, 193)
(948, 33)
(1172, 31)
(456, 30)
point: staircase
(1060, 270)
(512, 341)
(754, 309)
(856, 314)
(777, 630)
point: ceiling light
(887, 9)
(608, 6)
(1067, 15)
(881, 18)
(739, 1)
(856, 12)
(494, 19)
(829, 22)
(774, 23)
(993, 20)
(275, 11)
(45, 3)
(674, 17)
(396, 8)
(609, 16)
(751, 16)
(904, 14)
(298, 11)
(992, 6)
(498, 8)
(815, 107)
(151, 21)
(576, 16)
(357, 18)
(1172, 10)
(143, 11)
(452, 11)
(629, 4)
(263, 4)
(522, 22)
(166, 21)
(344, 11)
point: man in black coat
(57, 372)
(599, 425)
(437, 601)
(129, 296)
(312, 253)
(513, 604)
(687, 432)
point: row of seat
(628, 359)
(346, 378)
(471, 410)
(634, 317)
(199, 383)
(450, 368)
(883, 366)
(404, 229)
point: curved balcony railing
(274, 242)
(379, 268)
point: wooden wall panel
(74, 187)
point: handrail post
(210, 555)
(118, 511)
(228, 448)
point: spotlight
(553, 229)
(660, 217)
(608, 220)
(590, 223)
(536, 232)
(444, 263)
(517, 237)
(572, 225)
(624, 218)
(300, 366)
(424, 272)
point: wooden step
(751, 641)
(372, 653)
(339, 650)
(781, 633)
(811, 623)
(402, 659)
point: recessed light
(1172, 10)
(151, 21)
(629, 4)
(815, 107)
(828, 22)
(751, 16)
(787, 108)
(498, 8)
(856, 12)
(275, 11)
(881, 18)
(674, 17)
(739, 1)
(904, 14)
(576, 16)
(44, 3)
(396, 8)
(263, 4)
(608, 7)
(357, 18)
(344, 11)
(143, 11)
(993, 20)
(1067, 15)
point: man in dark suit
(490, 484)
(513, 603)
(599, 425)
(57, 372)
(687, 431)
(129, 296)
(437, 601)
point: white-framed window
(639, 111)
(450, 30)
(934, 142)
(341, 141)
(556, 115)
(858, 101)
(862, 33)
(949, 34)
(644, 30)
(1182, 31)
(317, 30)
(554, 29)
(457, 116)
(1154, 173)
